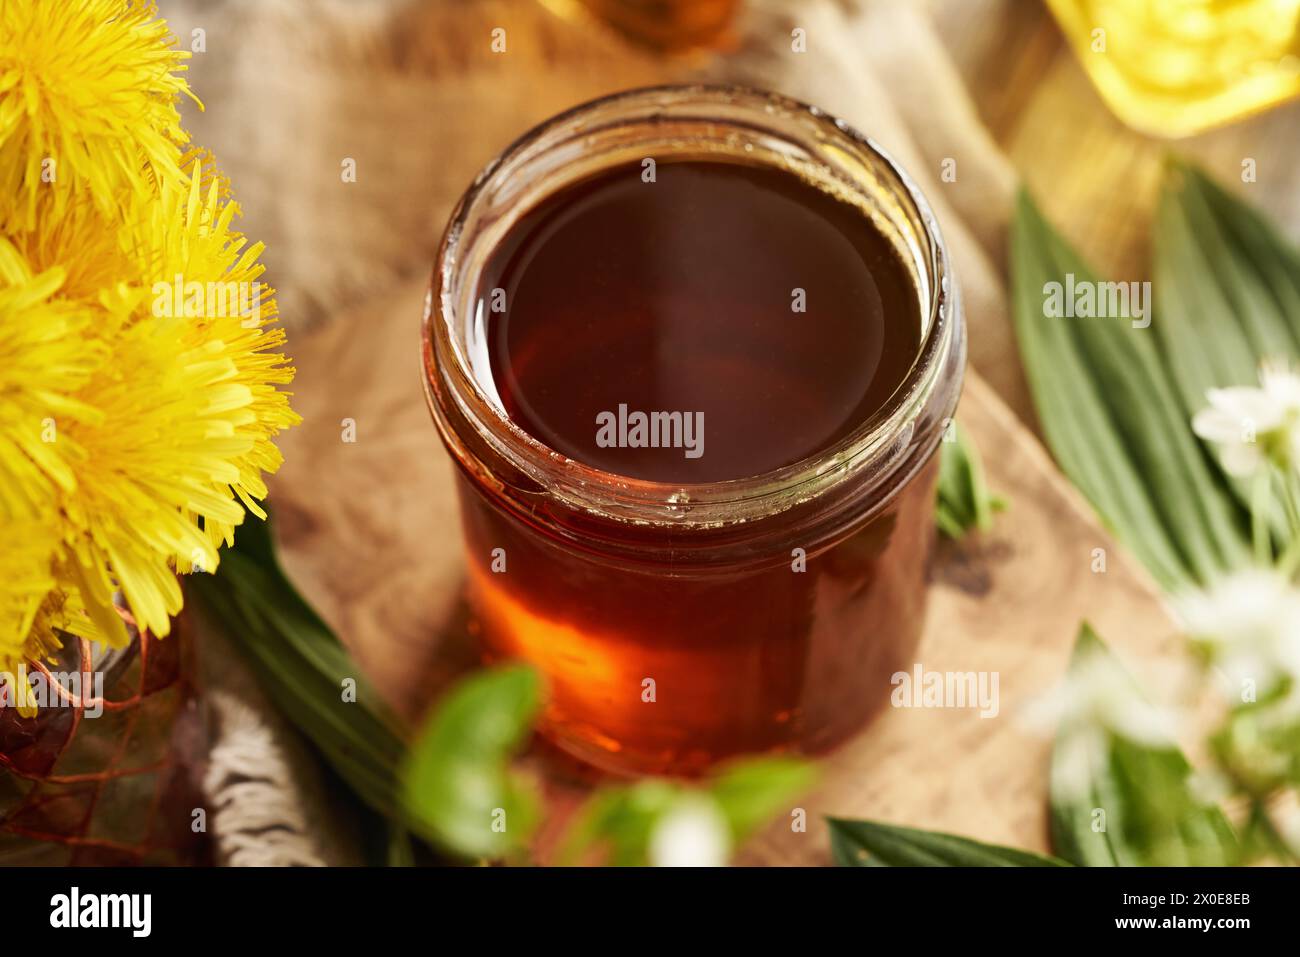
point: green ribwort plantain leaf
(870, 844)
(302, 666)
(1113, 417)
(1229, 294)
(458, 787)
(1258, 250)
(964, 501)
(1137, 808)
(1207, 341)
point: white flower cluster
(1252, 426)
(1097, 700)
(1249, 623)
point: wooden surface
(371, 534)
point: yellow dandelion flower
(79, 240)
(181, 403)
(26, 583)
(140, 377)
(185, 401)
(88, 94)
(46, 357)
(38, 603)
(196, 263)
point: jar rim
(876, 447)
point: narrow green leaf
(1075, 421)
(870, 844)
(1256, 242)
(964, 501)
(457, 786)
(1228, 296)
(1112, 417)
(1253, 265)
(1137, 809)
(301, 665)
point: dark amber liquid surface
(693, 645)
(775, 314)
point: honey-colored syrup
(785, 320)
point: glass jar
(678, 625)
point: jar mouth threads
(690, 121)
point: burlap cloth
(412, 94)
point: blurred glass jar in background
(666, 25)
(1176, 67)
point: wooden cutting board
(371, 535)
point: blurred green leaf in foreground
(458, 787)
(461, 790)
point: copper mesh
(114, 789)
